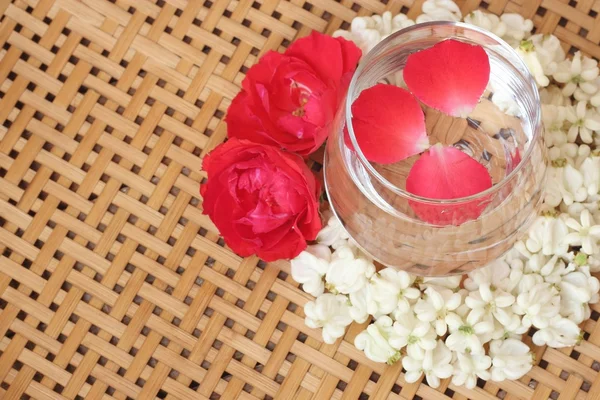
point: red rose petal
(450, 76)
(447, 173)
(515, 160)
(389, 124)
(342, 55)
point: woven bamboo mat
(112, 282)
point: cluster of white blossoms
(465, 328)
(462, 328)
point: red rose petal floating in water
(447, 173)
(515, 160)
(388, 123)
(450, 76)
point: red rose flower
(263, 200)
(290, 100)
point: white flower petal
(374, 341)
(412, 376)
(411, 364)
(330, 312)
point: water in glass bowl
(495, 137)
(488, 135)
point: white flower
(333, 234)
(485, 302)
(561, 332)
(586, 234)
(505, 101)
(448, 282)
(593, 284)
(594, 263)
(387, 25)
(416, 335)
(463, 310)
(570, 258)
(594, 98)
(383, 23)
(594, 200)
(583, 121)
(577, 289)
(362, 304)
(330, 312)
(435, 306)
(596, 214)
(517, 27)
(309, 267)
(554, 118)
(362, 32)
(590, 170)
(374, 342)
(520, 278)
(435, 364)
(575, 209)
(567, 151)
(583, 153)
(348, 272)
(546, 235)
(551, 269)
(487, 21)
(511, 359)
(570, 151)
(575, 311)
(501, 331)
(366, 32)
(549, 51)
(439, 10)
(578, 73)
(588, 91)
(524, 279)
(464, 333)
(496, 273)
(591, 94)
(392, 290)
(521, 252)
(529, 55)
(538, 305)
(468, 367)
(552, 95)
(564, 183)
(580, 260)
(518, 252)
(401, 21)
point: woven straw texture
(112, 282)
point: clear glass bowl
(370, 199)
